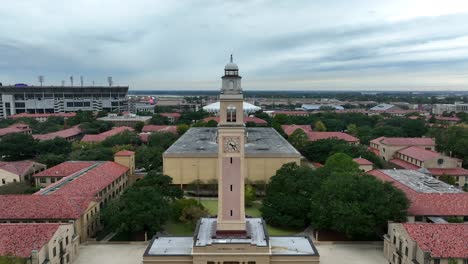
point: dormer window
(231, 114)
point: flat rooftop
(207, 227)
(294, 245)
(420, 182)
(182, 246)
(261, 142)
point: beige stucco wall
(187, 169)
(387, 152)
(8, 177)
(397, 231)
(70, 249)
(448, 162)
(365, 168)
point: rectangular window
(436, 261)
(52, 180)
(231, 160)
(406, 251)
(230, 187)
(68, 258)
(3, 181)
(54, 252)
(66, 240)
(394, 240)
(43, 180)
(231, 212)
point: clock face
(231, 144)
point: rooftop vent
(431, 183)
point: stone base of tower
(255, 247)
(237, 228)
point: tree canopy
(17, 146)
(144, 206)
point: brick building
(15, 128)
(103, 136)
(69, 134)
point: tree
(94, 153)
(190, 215)
(448, 179)
(51, 159)
(139, 126)
(124, 138)
(162, 139)
(357, 205)
(341, 162)
(81, 117)
(182, 128)
(95, 127)
(352, 129)
(56, 146)
(17, 188)
(17, 146)
(288, 196)
(143, 207)
(211, 123)
(149, 158)
(298, 139)
(319, 126)
(158, 119)
(249, 195)
(453, 141)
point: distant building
(288, 113)
(385, 108)
(104, 135)
(42, 117)
(317, 107)
(314, 135)
(445, 119)
(137, 107)
(248, 119)
(439, 109)
(411, 243)
(19, 171)
(38, 243)
(364, 164)
(414, 158)
(126, 119)
(430, 199)
(173, 117)
(159, 128)
(61, 99)
(15, 128)
(385, 147)
(69, 134)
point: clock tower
(231, 164)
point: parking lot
(329, 253)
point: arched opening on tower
(231, 114)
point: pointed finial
(231, 58)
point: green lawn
(179, 229)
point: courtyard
(131, 253)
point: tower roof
(231, 65)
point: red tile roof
(446, 118)
(374, 150)
(419, 153)
(160, 128)
(291, 113)
(104, 135)
(450, 172)
(247, 119)
(65, 133)
(173, 115)
(405, 141)
(28, 207)
(289, 129)
(65, 169)
(313, 136)
(441, 240)
(429, 204)
(15, 128)
(18, 167)
(124, 153)
(317, 164)
(404, 164)
(362, 161)
(42, 115)
(90, 183)
(20, 239)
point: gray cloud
(183, 45)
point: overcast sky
(278, 45)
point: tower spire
(231, 58)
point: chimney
(126, 158)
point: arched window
(231, 114)
(231, 85)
